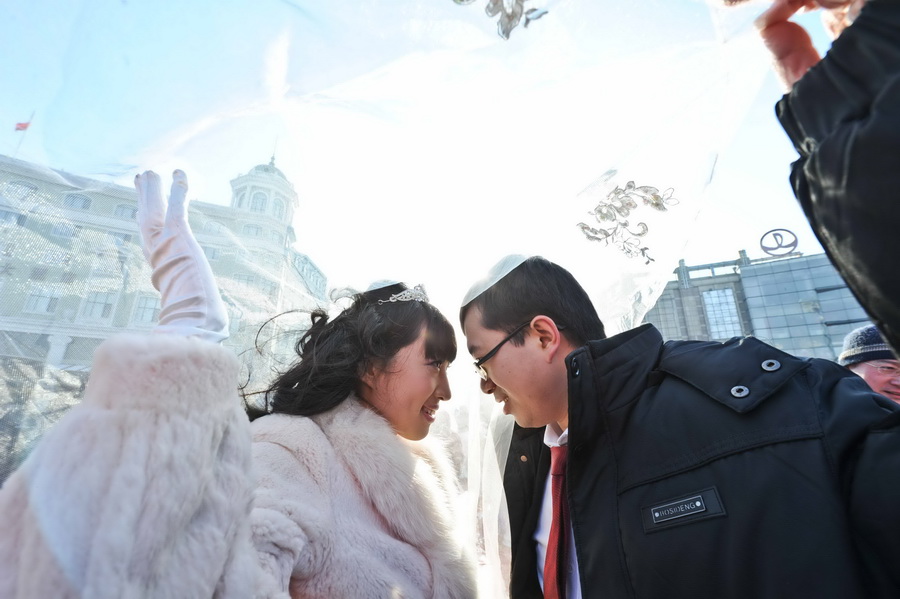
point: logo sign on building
(778, 242)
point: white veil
(330, 143)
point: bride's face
(408, 391)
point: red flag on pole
(22, 126)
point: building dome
(268, 169)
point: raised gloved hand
(191, 303)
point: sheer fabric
(331, 144)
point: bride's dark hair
(334, 354)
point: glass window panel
(258, 202)
(77, 201)
(98, 304)
(41, 300)
(67, 230)
(126, 211)
(10, 218)
(146, 310)
(721, 313)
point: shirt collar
(553, 436)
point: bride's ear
(370, 374)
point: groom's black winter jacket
(706, 470)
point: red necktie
(556, 564)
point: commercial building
(795, 302)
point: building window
(234, 319)
(276, 236)
(99, 304)
(244, 279)
(146, 309)
(258, 202)
(38, 273)
(721, 314)
(8, 219)
(126, 211)
(252, 230)
(269, 288)
(56, 257)
(119, 240)
(269, 259)
(106, 264)
(44, 208)
(67, 277)
(278, 208)
(213, 227)
(76, 201)
(211, 253)
(67, 230)
(19, 191)
(41, 300)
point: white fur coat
(345, 509)
(143, 489)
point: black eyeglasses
(479, 364)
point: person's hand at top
(191, 304)
(790, 44)
(838, 17)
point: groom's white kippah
(497, 272)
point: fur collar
(410, 484)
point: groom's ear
(548, 336)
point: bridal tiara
(416, 294)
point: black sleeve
(862, 440)
(843, 118)
(874, 506)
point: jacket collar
(741, 372)
(607, 374)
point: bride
(148, 488)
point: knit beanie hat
(862, 345)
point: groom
(688, 469)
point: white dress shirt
(552, 438)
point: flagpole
(24, 133)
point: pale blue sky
(410, 128)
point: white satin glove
(191, 303)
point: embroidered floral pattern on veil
(614, 211)
(511, 12)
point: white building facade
(72, 273)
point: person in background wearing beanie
(866, 354)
